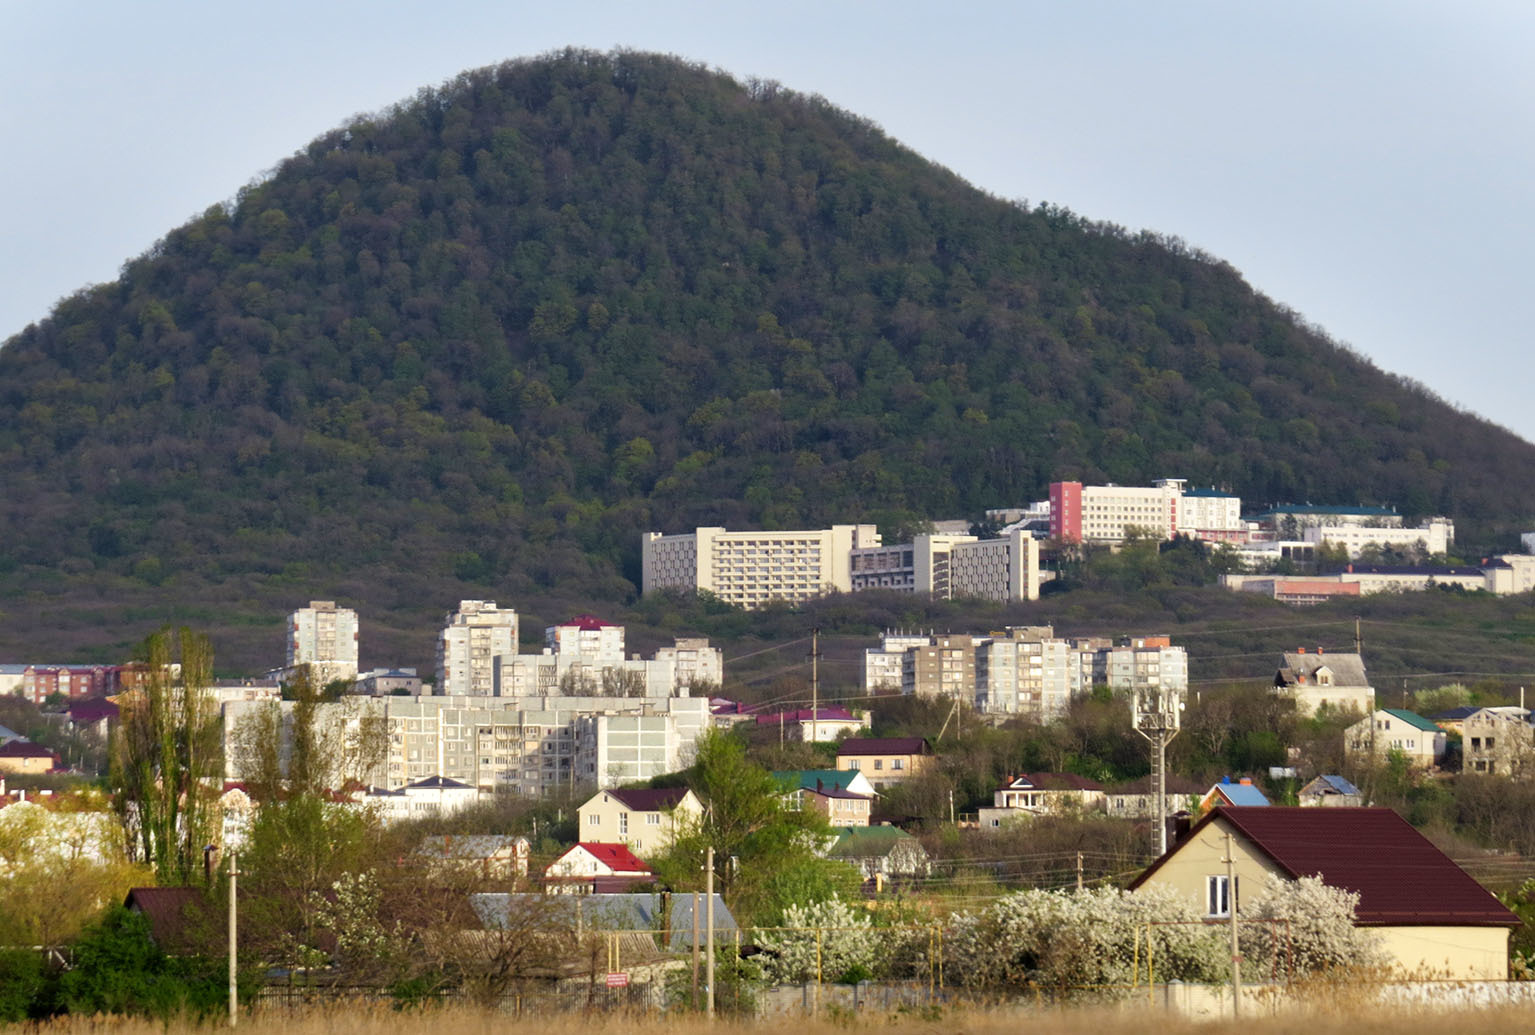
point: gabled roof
(1300, 669)
(867, 842)
(1401, 878)
(469, 846)
(1240, 793)
(92, 711)
(177, 921)
(1051, 782)
(883, 746)
(821, 780)
(438, 783)
(1459, 714)
(1329, 784)
(23, 748)
(615, 857)
(1412, 719)
(659, 799)
(7, 733)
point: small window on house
(879, 763)
(594, 820)
(652, 819)
(1217, 897)
(899, 763)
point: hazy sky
(1369, 163)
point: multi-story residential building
(389, 682)
(598, 642)
(596, 666)
(1024, 670)
(943, 667)
(882, 664)
(696, 666)
(1386, 730)
(324, 637)
(1146, 663)
(1499, 740)
(752, 569)
(525, 745)
(476, 635)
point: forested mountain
(476, 344)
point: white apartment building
(598, 642)
(753, 569)
(525, 745)
(476, 635)
(695, 663)
(324, 637)
(1146, 663)
(1211, 515)
(1025, 670)
(882, 664)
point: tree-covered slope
(496, 332)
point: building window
(898, 763)
(652, 819)
(1217, 900)
(879, 763)
(594, 820)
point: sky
(1369, 164)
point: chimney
(1182, 824)
(1246, 781)
(1319, 650)
(1300, 650)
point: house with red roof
(1429, 915)
(646, 820)
(596, 868)
(813, 724)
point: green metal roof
(1412, 719)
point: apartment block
(529, 745)
(882, 664)
(942, 667)
(475, 635)
(1025, 670)
(324, 637)
(950, 566)
(753, 569)
(599, 642)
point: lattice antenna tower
(1157, 712)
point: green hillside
(474, 345)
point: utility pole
(233, 939)
(1079, 873)
(1231, 910)
(709, 905)
(815, 685)
(1358, 638)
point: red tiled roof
(884, 746)
(1401, 878)
(615, 857)
(651, 800)
(176, 921)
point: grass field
(1333, 1021)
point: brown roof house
(1430, 917)
(23, 756)
(645, 819)
(885, 760)
(1317, 680)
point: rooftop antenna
(1158, 715)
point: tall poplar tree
(165, 755)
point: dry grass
(453, 1021)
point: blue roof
(1240, 793)
(1339, 784)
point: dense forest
(474, 345)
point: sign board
(618, 980)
